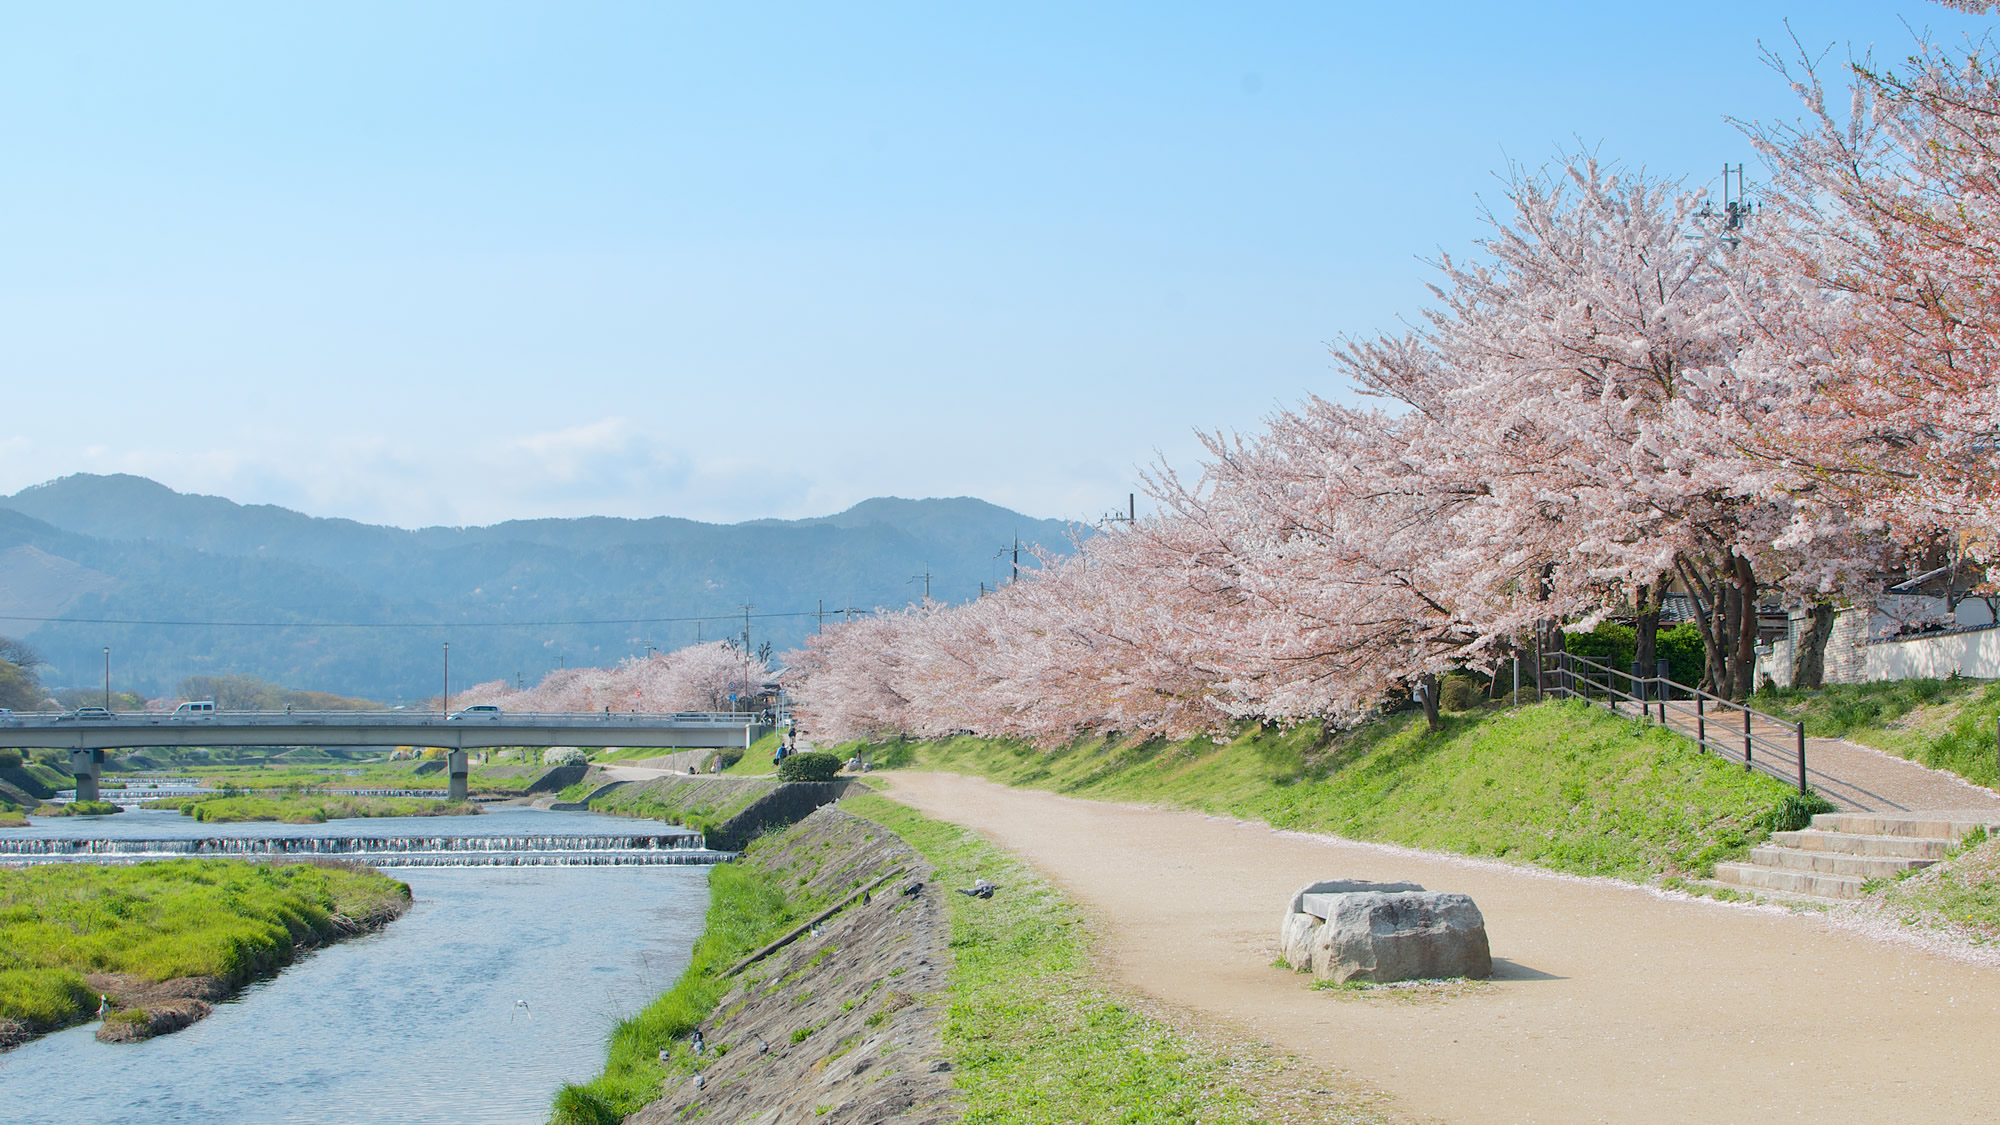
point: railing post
(1664, 670)
(1701, 720)
(1746, 738)
(1802, 757)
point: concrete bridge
(87, 738)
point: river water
(417, 1023)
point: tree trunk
(1427, 686)
(1745, 582)
(1809, 652)
(1645, 647)
(1722, 668)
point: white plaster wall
(1975, 654)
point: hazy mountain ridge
(171, 556)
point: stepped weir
(382, 851)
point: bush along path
(155, 943)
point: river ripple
(415, 1024)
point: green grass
(1558, 785)
(684, 802)
(222, 918)
(757, 760)
(1944, 724)
(1960, 895)
(747, 908)
(81, 808)
(1032, 1042)
(309, 808)
(11, 817)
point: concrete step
(1834, 863)
(1908, 847)
(1821, 885)
(1934, 826)
(1766, 894)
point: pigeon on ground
(914, 888)
(763, 1048)
(696, 1042)
(979, 889)
(866, 898)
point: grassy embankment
(1033, 1041)
(747, 908)
(225, 919)
(309, 808)
(757, 761)
(1558, 785)
(688, 803)
(1944, 724)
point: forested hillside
(353, 608)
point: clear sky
(456, 263)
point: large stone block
(1409, 935)
(1295, 940)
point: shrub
(1797, 810)
(1460, 693)
(812, 765)
(565, 756)
(9, 759)
(726, 758)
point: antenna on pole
(1131, 514)
(926, 576)
(1736, 206)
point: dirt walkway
(1610, 1004)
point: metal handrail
(1642, 693)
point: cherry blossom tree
(696, 678)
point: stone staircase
(1841, 851)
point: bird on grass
(914, 888)
(763, 1048)
(522, 1007)
(979, 889)
(103, 1005)
(696, 1042)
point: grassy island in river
(163, 938)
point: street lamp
(447, 677)
(107, 677)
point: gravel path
(1611, 1003)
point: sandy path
(1611, 1004)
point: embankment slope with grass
(161, 939)
(1558, 785)
(1944, 724)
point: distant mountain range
(178, 585)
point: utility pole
(820, 626)
(447, 677)
(747, 607)
(107, 677)
(1131, 511)
(1002, 553)
(926, 576)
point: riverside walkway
(1611, 1002)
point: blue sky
(455, 263)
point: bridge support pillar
(88, 766)
(458, 769)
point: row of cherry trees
(1615, 393)
(697, 678)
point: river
(417, 1023)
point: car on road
(195, 709)
(86, 714)
(477, 712)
